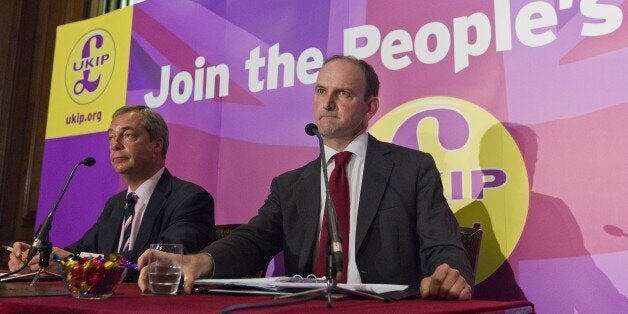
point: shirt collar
(357, 147)
(145, 190)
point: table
(128, 298)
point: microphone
(332, 220)
(42, 232)
(311, 129)
(89, 161)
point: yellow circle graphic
(483, 172)
(90, 66)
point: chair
(471, 240)
(222, 231)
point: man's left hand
(445, 283)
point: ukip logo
(90, 66)
(482, 170)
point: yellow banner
(89, 74)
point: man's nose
(330, 103)
(115, 145)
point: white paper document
(292, 283)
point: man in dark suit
(163, 208)
(401, 230)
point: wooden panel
(27, 37)
(9, 154)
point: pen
(8, 248)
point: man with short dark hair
(156, 206)
(396, 223)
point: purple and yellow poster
(523, 104)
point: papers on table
(279, 284)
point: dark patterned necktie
(129, 210)
(339, 190)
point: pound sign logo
(483, 173)
(90, 66)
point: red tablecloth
(129, 299)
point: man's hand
(194, 266)
(445, 283)
(19, 255)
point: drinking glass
(164, 267)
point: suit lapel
(308, 202)
(377, 169)
(110, 239)
(153, 208)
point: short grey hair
(152, 121)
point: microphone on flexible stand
(41, 244)
(334, 261)
(44, 228)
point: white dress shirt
(143, 192)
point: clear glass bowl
(94, 282)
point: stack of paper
(292, 283)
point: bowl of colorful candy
(93, 277)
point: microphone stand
(44, 249)
(334, 243)
(41, 244)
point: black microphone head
(311, 129)
(89, 161)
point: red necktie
(339, 190)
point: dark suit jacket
(405, 228)
(177, 212)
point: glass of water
(164, 267)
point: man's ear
(159, 146)
(373, 105)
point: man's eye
(345, 93)
(320, 91)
